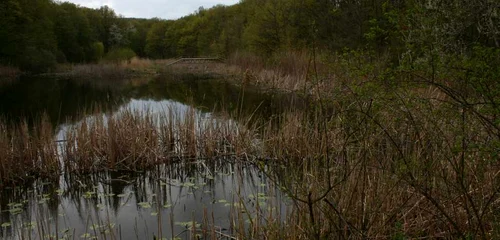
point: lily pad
(122, 195)
(85, 235)
(188, 225)
(188, 184)
(144, 205)
(6, 224)
(15, 211)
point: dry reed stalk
(393, 169)
(412, 165)
(27, 154)
(139, 140)
(289, 71)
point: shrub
(36, 60)
(96, 52)
(120, 54)
(61, 57)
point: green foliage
(97, 52)
(156, 44)
(422, 37)
(72, 30)
(119, 55)
(36, 60)
(45, 30)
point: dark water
(64, 100)
(218, 197)
(222, 196)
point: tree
(12, 20)
(156, 44)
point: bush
(34, 60)
(120, 54)
(96, 52)
(61, 57)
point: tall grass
(106, 72)
(27, 153)
(135, 140)
(284, 71)
(369, 159)
(379, 167)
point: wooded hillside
(35, 35)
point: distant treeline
(37, 34)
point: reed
(133, 140)
(366, 160)
(389, 165)
(27, 152)
(113, 72)
(99, 71)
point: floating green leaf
(6, 224)
(15, 211)
(29, 225)
(188, 184)
(95, 227)
(88, 194)
(144, 205)
(188, 225)
(122, 195)
(85, 235)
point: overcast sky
(166, 9)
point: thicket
(36, 35)
(406, 32)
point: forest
(36, 35)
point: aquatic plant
(27, 153)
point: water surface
(205, 197)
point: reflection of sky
(229, 185)
(162, 108)
(214, 196)
(155, 106)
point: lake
(198, 197)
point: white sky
(166, 9)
